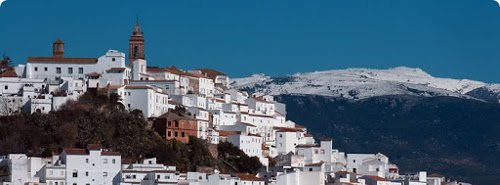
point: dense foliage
(457, 137)
(237, 159)
(98, 118)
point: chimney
(58, 49)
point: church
(61, 78)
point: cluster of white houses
(179, 104)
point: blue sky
(447, 38)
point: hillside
(454, 136)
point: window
(167, 177)
(45, 69)
(113, 59)
(75, 174)
(87, 174)
(169, 134)
(175, 134)
(133, 177)
(70, 70)
(87, 160)
(176, 123)
(56, 183)
(105, 161)
(113, 161)
(104, 174)
(36, 68)
(183, 134)
(80, 70)
(6, 87)
(58, 70)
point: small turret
(58, 49)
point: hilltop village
(179, 105)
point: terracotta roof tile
(116, 70)
(228, 133)
(61, 60)
(94, 147)
(8, 73)
(248, 177)
(375, 178)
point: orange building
(175, 124)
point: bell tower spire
(136, 43)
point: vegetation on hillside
(97, 118)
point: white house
(287, 139)
(152, 101)
(91, 165)
(21, 169)
(250, 144)
(368, 164)
(148, 172)
(58, 65)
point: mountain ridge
(362, 83)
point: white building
(150, 100)
(58, 66)
(250, 144)
(21, 169)
(92, 165)
(314, 153)
(368, 164)
(299, 177)
(288, 138)
(148, 172)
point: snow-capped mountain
(359, 83)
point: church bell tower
(136, 43)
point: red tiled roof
(228, 133)
(375, 178)
(308, 135)
(9, 73)
(116, 70)
(344, 172)
(211, 73)
(93, 74)
(152, 80)
(307, 145)
(61, 60)
(248, 177)
(139, 87)
(286, 129)
(155, 69)
(94, 147)
(315, 164)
